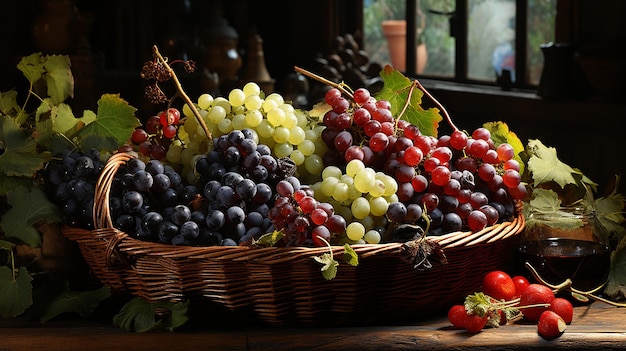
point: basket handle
(102, 212)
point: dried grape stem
(439, 105)
(182, 93)
(325, 81)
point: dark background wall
(587, 131)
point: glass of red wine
(565, 244)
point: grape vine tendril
(567, 285)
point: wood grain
(595, 327)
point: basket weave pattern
(284, 285)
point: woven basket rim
(128, 245)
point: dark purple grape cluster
(69, 181)
(149, 201)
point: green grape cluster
(361, 195)
(287, 131)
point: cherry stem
(339, 86)
(439, 105)
(182, 93)
(567, 285)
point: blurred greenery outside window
(490, 40)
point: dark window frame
(565, 31)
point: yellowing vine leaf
(8, 102)
(546, 166)
(396, 90)
(32, 67)
(329, 268)
(20, 156)
(54, 70)
(59, 78)
(500, 133)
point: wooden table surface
(595, 327)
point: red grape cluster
(303, 219)
(155, 137)
(359, 130)
(460, 181)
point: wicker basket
(284, 286)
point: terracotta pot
(395, 33)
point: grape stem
(439, 105)
(339, 86)
(567, 285)
(181, 92)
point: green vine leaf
(269, 239)
(20, 156)
(329, 268)
(15, 291)
(82, 303)
(616, 285)
(32, 67)
(28, 208)
(58, 77)
(350, 256)
(139, 315)
(54, 70)
(546, 166)
(114, 123)
(396, 90)
(8, 184)
(8, 103)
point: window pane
(490, 39)
(435, 50)
(541, 22)
(375, 12)
(436, 37)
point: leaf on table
(396, 90)
(546, 166)
(58, 77)
(81, 302)
(32, 67)
(140, 315)
(115, 122)
(15, 291)
(20, 156)
(28, 208)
